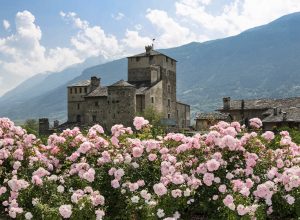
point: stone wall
(121, 105)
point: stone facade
(272, 112)
(205, 120)
(151, 84)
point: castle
(151, 84)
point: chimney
(55, 123)
(43, 126)
(243, 104)
(226, 103)
(275, 111)
(148, 48)
(284, 116)
(95, 82)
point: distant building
(286, 117)
(151, 83)
(205, 120)
(273, 112)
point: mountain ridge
(259, 62)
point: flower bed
(228, 173)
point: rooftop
(265, 103)
(98, 92)
(212, 116)
(122, 83)
(152, 53)
(81, 83)
(292, 115)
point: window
(75, 90)
(96, 103)
(169, 89)
(167, 59)
(71, 91)
(169, 115)
(169, 103)
(78, 106)
(150, 59)
(152, 99)
(85, 90)
(80, 90)
(137, 59)
(94, 118)
(78, 118)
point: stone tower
(121, 101)
(76, 99)
(44, 126)
(158, 71)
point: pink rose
(65, 211)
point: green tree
(31, 126)
(154, 117)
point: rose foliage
(228, 173)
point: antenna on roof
(153, 43)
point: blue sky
(41, 36)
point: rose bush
(228, 173)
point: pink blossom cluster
(228, 167)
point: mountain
(259, 62)
(29, 92)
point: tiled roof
(141, 90)
(265, 103)
(292, 115)
(152, 53)
(181, 103)
(81, 83)
(98, 92)
(212, 115)
(122, 83)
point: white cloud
(171, 32)
(236, 16)
(118, 16)
(92, 40)
(6, 24)
(134, 40)
(23, 55)
(138, 27)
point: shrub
(228, 173)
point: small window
(169, 89)
(75, 90)
(150, 59)
(85, 90)
(169, 115)
(172, 62)
(71, 91)
(80, 90)
(137, 59)
(78, 118)
(94, 118)
(78, 106)
(167, 59)
(152, 99)
(96, 103)
(169, 103)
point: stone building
(273, 112)
(151, 83)
(205, 120)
